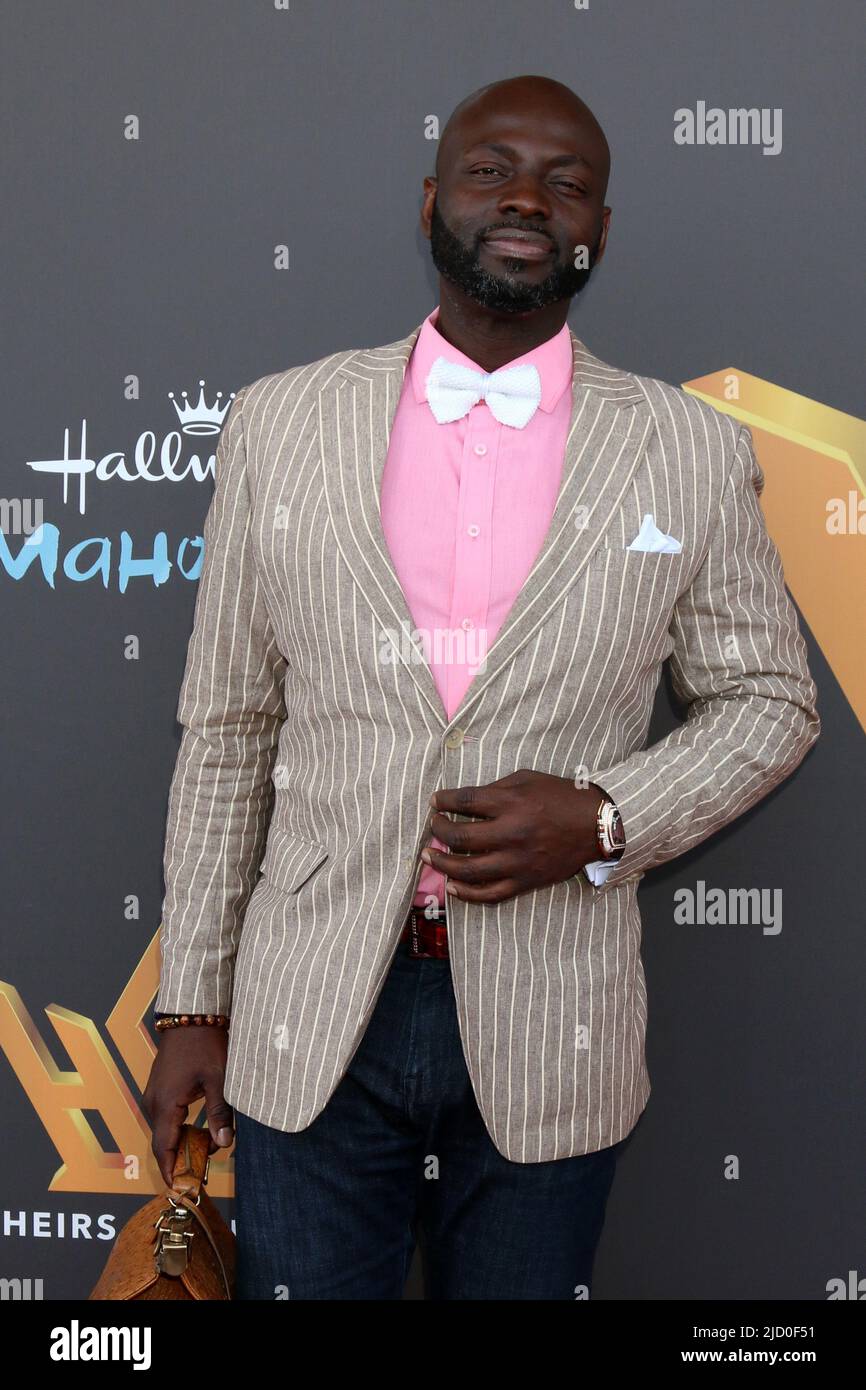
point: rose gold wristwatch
(609, 832)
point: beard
(461, 265)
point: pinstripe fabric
(299, 803)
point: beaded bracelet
(184, 1020)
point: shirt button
(473, 530)
(480, 450)
(454, 738)
(466, 624)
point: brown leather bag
(177, 1245)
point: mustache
(516, 227)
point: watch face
(617, 834)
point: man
(456, 564)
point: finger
(220, 1117)
(497, 892)
(166, 1139)
(471, 868)
(466, 837)
(487, 800)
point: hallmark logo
(201, 418)
(153, 458)
(147, 461)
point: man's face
(518, 197)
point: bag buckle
(173, 1235)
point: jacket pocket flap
(290, 860)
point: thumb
(220, 1117)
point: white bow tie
(512, 394)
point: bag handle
(191, 1162)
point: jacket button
(454, 738)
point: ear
(431, 184)
(605, 226)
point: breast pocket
(656, 573)
(291, 861)
(632, 595)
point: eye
(486, 169)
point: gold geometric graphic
(61, 1098)
(810, 455)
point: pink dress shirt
(465, 509)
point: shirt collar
(553, 359)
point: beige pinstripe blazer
(306, 758)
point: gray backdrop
(153, 259)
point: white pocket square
(649, 537)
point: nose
(526, 196)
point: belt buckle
(416, 945)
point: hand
(534, 830)
(189, 1064)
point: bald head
(525, 102)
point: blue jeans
(399, 1151)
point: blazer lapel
(356, 414)
(610, 426)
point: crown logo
(201, 418)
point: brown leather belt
(427, 936)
